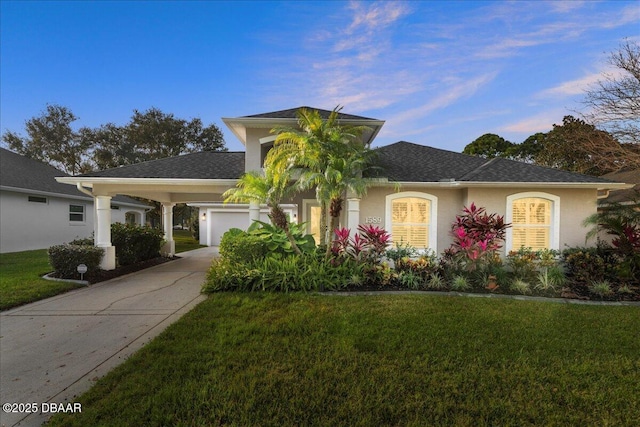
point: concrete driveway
(53, 350)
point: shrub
(65, 259)
(436, 282)
(585, 265)
(401, 251)
(477, 236)
(241, 247)
(368, 245)
(135, 243)
(276, 238)
(622, 223)
(520, 286)
(411, 280)
(601, 288)
(87, 241)
(460, 284)
(306, 272)
(424, 266)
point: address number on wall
(373, 220)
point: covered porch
(167, 192)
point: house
(628, 196)
(36, 211)
(416, 197)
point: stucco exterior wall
(253, 153)
(27, 225)
(449, 205)
(575, 206)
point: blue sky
(440, 73)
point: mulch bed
(102, 275)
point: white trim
(554, 234)
(267, 139)
(433, 214)
(89, 181)
(466, 184)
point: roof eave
(239, 125)
(90, 181)
(468, 184)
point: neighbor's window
(411, 219)
(76, 213)
(37, 199)
(534, 219)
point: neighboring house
(416, 197)
(628, 196)
(36, 211)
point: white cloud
(542, 122)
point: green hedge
(65, 259)
(135, 243)
(238, 246)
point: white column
(169, 248)
(102, 231)
(353, 214)
(254, 212)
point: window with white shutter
(533, 221)
(411, 219)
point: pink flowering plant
(477, 236)
(369, 244)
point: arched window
(411, 218)
(534, 219)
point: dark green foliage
(277, 240)
(238, 246)
(488, 146)
(65, 259)
(135, 243)
(277, 273)
(401, 250)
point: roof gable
(292, 113)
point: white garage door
(223, 221)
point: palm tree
(327, 156)
(268, 189)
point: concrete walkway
(54, 349)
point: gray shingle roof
(292, 114)
(402, 162)
(409, 162)
(202, 165)
(623, 196)
(17, 171)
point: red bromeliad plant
(477, 234)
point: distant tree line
(148, 135)
(606, 139)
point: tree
(269, 189)
(568, 147)
(527, 150)
(489, 146)
(150, 135)
(614, 101)
(52, 140)
(325, 155)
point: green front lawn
(185, 241)
(21, 281)
(304, 360)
